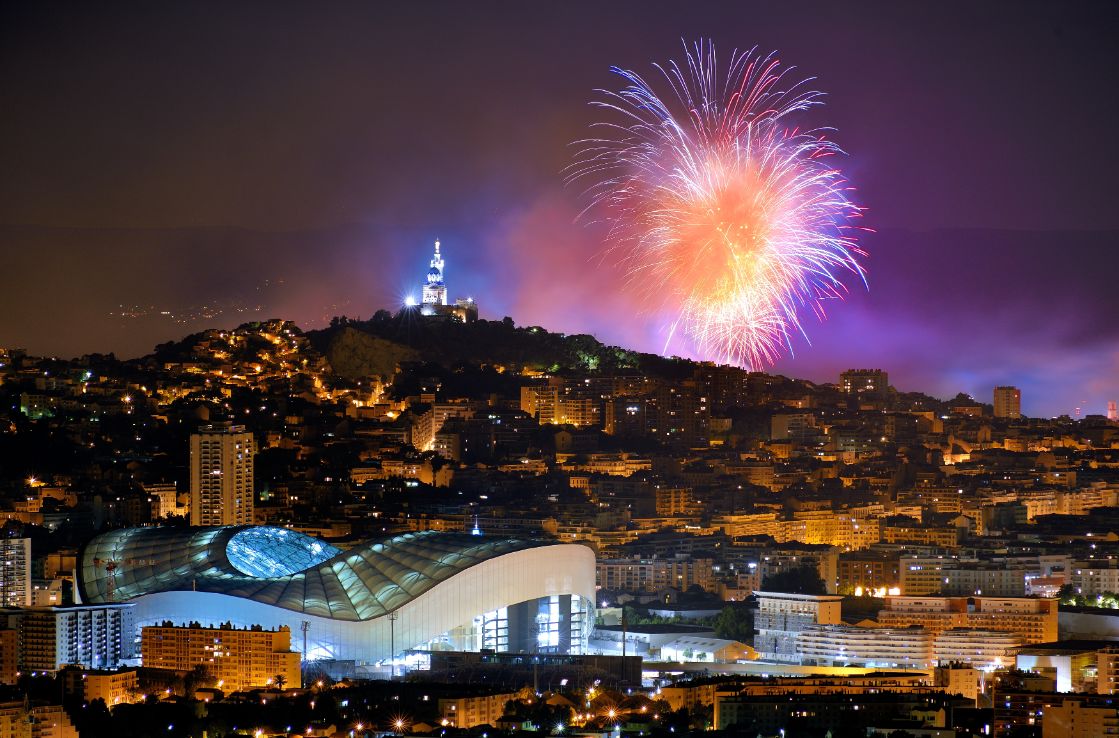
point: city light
(273, 451)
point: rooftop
(281, 567)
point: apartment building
(238, 658)
(781, 617)
(1034, 620)
(466, 712)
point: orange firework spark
(726, 216)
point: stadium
(424, 591)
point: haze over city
(328, 147)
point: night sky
(303, 157)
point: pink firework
(727, 217)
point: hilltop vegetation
(359, 348)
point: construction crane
(111, 573)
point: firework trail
(726, 216)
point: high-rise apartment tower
(1008, 402)
(221, 475)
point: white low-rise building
(710, 650)
(982, 649)
(853, 645)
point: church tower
(434, 290)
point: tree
(803, 580)
(734, 622)
(279, 680)
(538, 712)
(95, 719)
(199, 677)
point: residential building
(91, 636)
(1008, 402)
(1107, 669)
(792, 427)
(1073, 665)
(15, 572)
(221, 475)
(981, 649)
(1034, 620)
(865, 383)
(650, 575)
(781, 617)
(22, 719)
(238, 658)
(114, 687)
(165, 500)
(989, 580)
(867, 571)
(852, 645)
(1088, 718)
(9, 655)
(466, 712)
(924, 575)
(1092, 580)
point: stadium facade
(428, 590)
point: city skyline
(640, 369)
(978, 276)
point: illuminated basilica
(434, 302)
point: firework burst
(727, 217)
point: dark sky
(175, 155)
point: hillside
(355, 347)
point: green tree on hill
(801, 580)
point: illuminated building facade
(653, 574)
(557, 402)
(428, 424)
(114, 687)
(1082, 718)
(1008, 402)
(781, 617)
(924, 575)
(466, 712)
(15, 572)
(434, 294)
(1073, 665)
(1034, 620)
(22, 719)
(221, 475)
(867, 570)
(434, 289)
(98, 636)
(865, 383)
(238, 658)
(426, 590)
(851, 645)
(981, 649)
(990, 580)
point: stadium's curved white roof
(430, 582)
